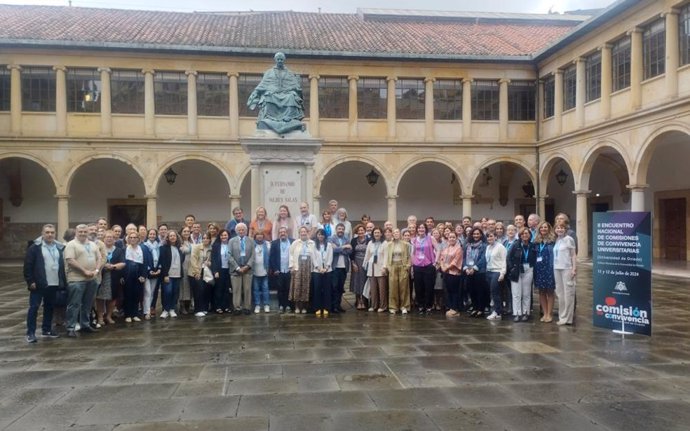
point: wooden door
(673, 229)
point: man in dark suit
(279, 267)
(341, 262)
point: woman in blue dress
(544, 279)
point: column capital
(231, 196)
(60, 67)
(14, 67)
(190, 72)
(62, 197)
(389, 197)
(104, 69)
(317, 196)
(429, 80)
(672, 11)
(467, 80)
(636, 186)
(314, 76)
(634, 30)
(151, 197)
(353, 78)
(543, 197)
(466, 196)
(579, 60)
(558, 72)
(605, 46)
(233, 74)
(582, 192)
(504, 81)
(148, 71)
(391, 78)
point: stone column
(466, 109)
(393, 209)
(541, 206)
(192, 118)
(352, 111)
(149, 103)
(580, 92)
(316, 206)
(558, 102)
(466, 205)
(233, 105)
(503, 109)
(62, 214)
(636, 71)
(314, 105)
(390, 109)
(672, 53)
(151, 211)
(581, 228)
(60, 100)
(309, 183)
(429, 109)
(106, 114)
(606, 82)
(637, 196)
(235, 202)
(15, 99)
(255, 186)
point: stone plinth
(282, 169)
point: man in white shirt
(306, 219)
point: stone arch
(321, 175)
(644, 155)
(233, 183)
(548, 164)
(519, 162)
(36, 160)
(582, 177)
(65, 188)
(417, 161)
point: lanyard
(525, 253)
(541, 247)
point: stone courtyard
(354, 371)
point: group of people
(485, 268)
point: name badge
(470, 263)
(243, 253)
(525, 266)
(539, 259)
(304, 257)
(420, 256)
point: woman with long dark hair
(321, 273)
(200, 262)
(171, 259)
(474, 267)
(221, 272)
(424, 271)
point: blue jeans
(495, 290)
(80, 296)
(47, 296)
(260, 290)
(171, 291)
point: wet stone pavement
(355, 371)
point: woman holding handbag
(374, 261)
(201, 273)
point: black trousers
(424, 280)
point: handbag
(207, 275)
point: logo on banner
(620, 289)
(612, 311)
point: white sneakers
(200, 314)
(172, 313)
(494, 316)
(267, 309)
(257, 310)
(164, 314)
(404, 310)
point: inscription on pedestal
(282, 186)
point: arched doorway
(27, 202)
(430, 189)
(558, 182)
(107, 187)
(197, 187)
(501, 190)
(347, 183)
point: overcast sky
(346, 6)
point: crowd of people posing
(485, 268)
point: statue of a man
(279, 98)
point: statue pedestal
(282, 170)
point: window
(334, 99)
(127, 91)
(684, 34)
(212, 94)
(5, 81)
(620, 63)
(521, 101)
(569, 87)
(306, 94)
(593, 76)
(485, 100)
(38, 89)
(246, 83)
(654, 49)
(549, 96)
(448, 99)
(170, 91)
(409, 99)
(83, 90)
(372, 95)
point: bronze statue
(279, 98)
